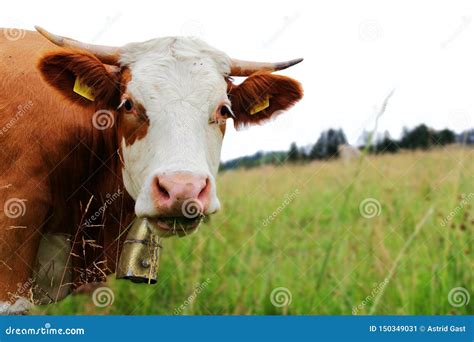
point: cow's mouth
(181, 226)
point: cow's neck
(90, 201)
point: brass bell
(140, 257)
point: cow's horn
(106, 54)
(246, 68)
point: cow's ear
(81, 77)
(262, 96)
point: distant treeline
(326, 147)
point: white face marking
(180, 82)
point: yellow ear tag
(83, 90)
(265, 103)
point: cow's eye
(225, 111)
(222, 113)
(128, 105)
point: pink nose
(172, 193)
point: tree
(424, 137)
(444, 137)
(293, 153)
(419, 137)
(318, 150)
(386, 144)
(327, 143)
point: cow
(94, 136)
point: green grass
(319, 246)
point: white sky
(355, 53)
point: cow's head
(170, 98)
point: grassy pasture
(390, 234)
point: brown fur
(134, 125)
(58, 164)
(60, 70)
(283, 91)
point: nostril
(161, 190)
(205, 191)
